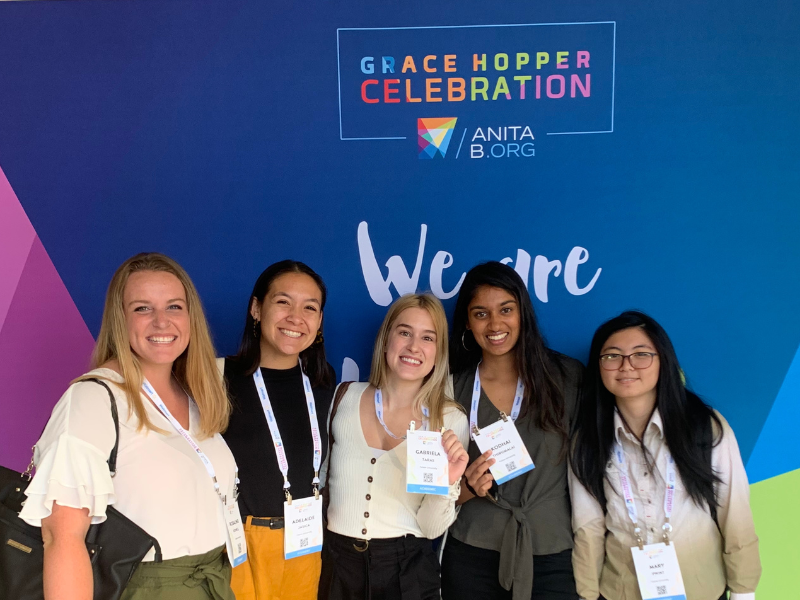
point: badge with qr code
(427, 469)
(508, 450)
(302, 526)
(658, 572)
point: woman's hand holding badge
(457, 457)
(478, 476)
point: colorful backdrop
(618, 155)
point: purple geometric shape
(16, 237)
(44, 344)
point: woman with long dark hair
(511, 540)
(279, 382)
(655, 472)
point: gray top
(532, 512)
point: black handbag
(116, 546)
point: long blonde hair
(195, 369)
(432, 394)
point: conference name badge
(302, 522)
(427, 469)
(235, 542)
(509, 451)
(658, 572)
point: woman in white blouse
(660, 500)
(378, 540)
(153, 330)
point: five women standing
(640, 437)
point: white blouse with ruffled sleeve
(160, 482)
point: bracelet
(469, 487)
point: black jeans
(470, 572)
(402, 568)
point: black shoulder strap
(337, 400)
(112, 459)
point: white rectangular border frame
(613, 67)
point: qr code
(303, 542)
(661, 590)
(511, 466)
(427, 477)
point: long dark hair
(686, 418)
(248, 357)
(535, 363)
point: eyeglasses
(637, 360)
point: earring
(462, 340)
(256, 328)
(319, 339)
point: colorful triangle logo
(435, 135)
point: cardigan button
(369, 478)
(374, 460)
(366, 515)
(369, 497)
(363, 532)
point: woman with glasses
(512, 539)
(660, 499)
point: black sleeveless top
(248, 437)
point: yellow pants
(267, 575)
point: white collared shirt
(710, 557)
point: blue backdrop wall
(619, 155)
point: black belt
(271, 522)
(379, 546)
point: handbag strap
(337, 400)
(112, 459)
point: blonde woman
(379, 534)
(155, 352)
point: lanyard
(379, 413)
(150, 391)
(476, 397)
(280, 450)
(630, 502)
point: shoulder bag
(115, 547)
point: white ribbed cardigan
(368, 497)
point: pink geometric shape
(16, 238)
(44, 344)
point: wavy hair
(195, 369)
(248, 357)
(688, 421)
(535, 363)
(433, 393)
